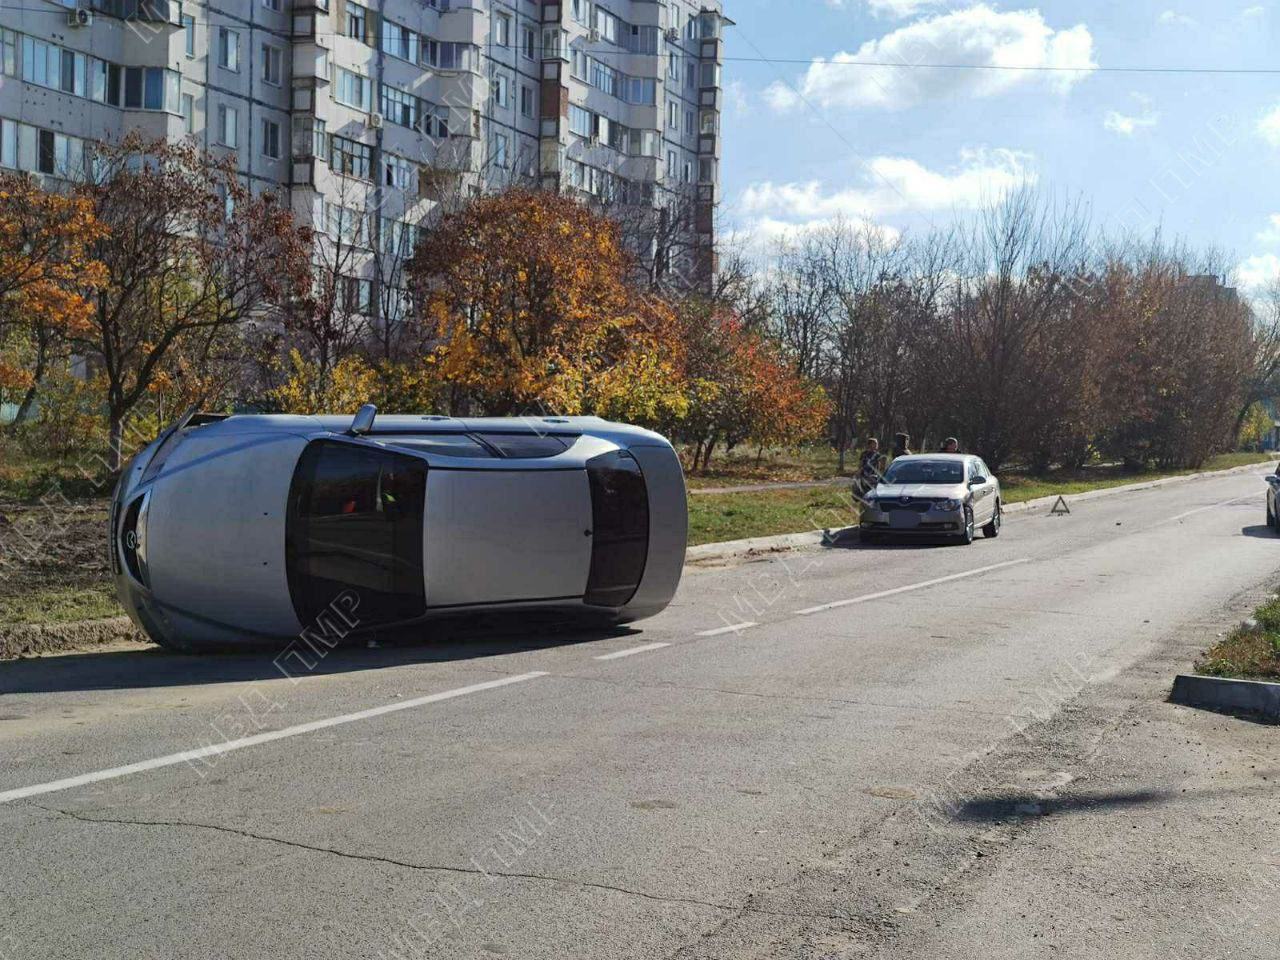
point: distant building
(370, 113)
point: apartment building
(371, 113)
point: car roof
(959, 457)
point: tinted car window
(355, 524)
(925, 471)
(526, 446)
(446, 444)
(620, 534)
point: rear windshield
(925, 471)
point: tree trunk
(115, 440)
(29, 399)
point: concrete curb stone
(1256, 697)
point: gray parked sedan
(933, 495)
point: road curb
(1255, 697)
(33, 639)
(708, 553)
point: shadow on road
(850, 538)
(437, 642)
(1258, 530)
(1004, 807)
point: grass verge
(60, 605)
(715, 517)
(1248, 653)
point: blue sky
(806, 142)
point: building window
(580, 121)
(502, 30)
(401, 42)
(529, 42)
(501, 159)
(351, 158)
(8, 143)
(271, 139)
(188, 113)
(357, 18)
(673, 115)
(189, 34)
(399, 107)
(353, 90)
(272, 5)
(272, 58)
(399, 173)
(228, 124)
(228, 49)
(501, 90)
(527, 100)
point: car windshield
(925, 471)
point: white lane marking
(911, 586)
(732, 628)
(189, 756)
(631, 651)
(1212, 506)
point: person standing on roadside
(870, 464)
(901, 445)
(950, 445)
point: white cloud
(1255, 11)
(1269, 126)
(979, 37)
(894, 185)
(1126, 125)
(1271, 234)
(1172, 18)
(1258, 271)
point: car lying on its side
(238, 529)
(946, 495)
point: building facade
(372, 114)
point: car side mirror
(977, 481)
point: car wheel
(968, 535)
(1271, 516)
(992, 529)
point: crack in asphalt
(391, 861)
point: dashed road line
(731, 628)
(631, 651)
(909, 587)
(214, 750)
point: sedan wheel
(967, 537)
(992, 529)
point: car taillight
(620, 529)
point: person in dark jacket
(870, 466)
(950, 445)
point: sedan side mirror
(977, 481)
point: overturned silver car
(244, 529)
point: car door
(983, 492)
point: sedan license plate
(904, 520)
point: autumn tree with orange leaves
(192, 254)
(47, 273)
(525, 306)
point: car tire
(992, 529)
(1271, 517)
(967, 536)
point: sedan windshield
(925, 471)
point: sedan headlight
(948, 506)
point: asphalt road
(914, 752)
